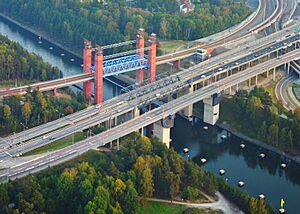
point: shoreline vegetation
(186, 27)
(120, 182)
(267, 127)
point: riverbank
(38, 33)
(229, 129)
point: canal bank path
(222, 204)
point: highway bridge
(233, 56)
(249, 25)
(201, 82)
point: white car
(45, 137)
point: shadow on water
(261, 175)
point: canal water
(261, 176)
(50, 53)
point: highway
(55, 84)
(282, 94)
(141, 121)
(213, 62)
(147, 94)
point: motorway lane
(227, 56)
(173, 86)
(281, 92)
(145, 119)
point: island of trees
(106, 22)
(118, 182)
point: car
(119, 110)
(202, 76)
(157, 95)
(45, 137)
(98, 106)
(51, 138)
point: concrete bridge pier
(188, 111)
(211, 109)
(162, 129)
(176, 64)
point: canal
(66, 62)
(261, 175)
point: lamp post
(23, 130)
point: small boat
(281, 210)
(283, 165)
(262, 196)
(40, 37)
(221, 171)
(51, 48)
(242, 145)
(72, 60)
(62, 54)
(223, 137)
(203, 160)
(186, 150)
(262, 155)
(241, 183)
(205, 127)
(81, 65)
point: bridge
(137, 60)
(202, 82)
(122, 115)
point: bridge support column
(176, 64)
(274, 74)
(162, 129)
(211, 109)
(55, 92)
(152, 57)
(188, 111)
(98, 81)
(87, 63)
(288, 67)
(256, 79)
(162, 133)
(140, 45)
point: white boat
(283, 165)
(262, 155)
(72, 60)
(241, 183)
(221, 171)
(62, 54)
(242, 145)
(281, 210)
(186, 150)
(205, 127)
(51, 48)
(262, 196)
(203, 160)
(223, 136)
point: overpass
(189, 82)
(156, 115)
(131, 60)
(229, 59)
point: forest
(18, 64)
(250, 113)
(20, 112)
(118, 182)
(106, 22)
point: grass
(59, 144)
(171, 46)
(11, 83)
(159, 207)
(166, 208)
